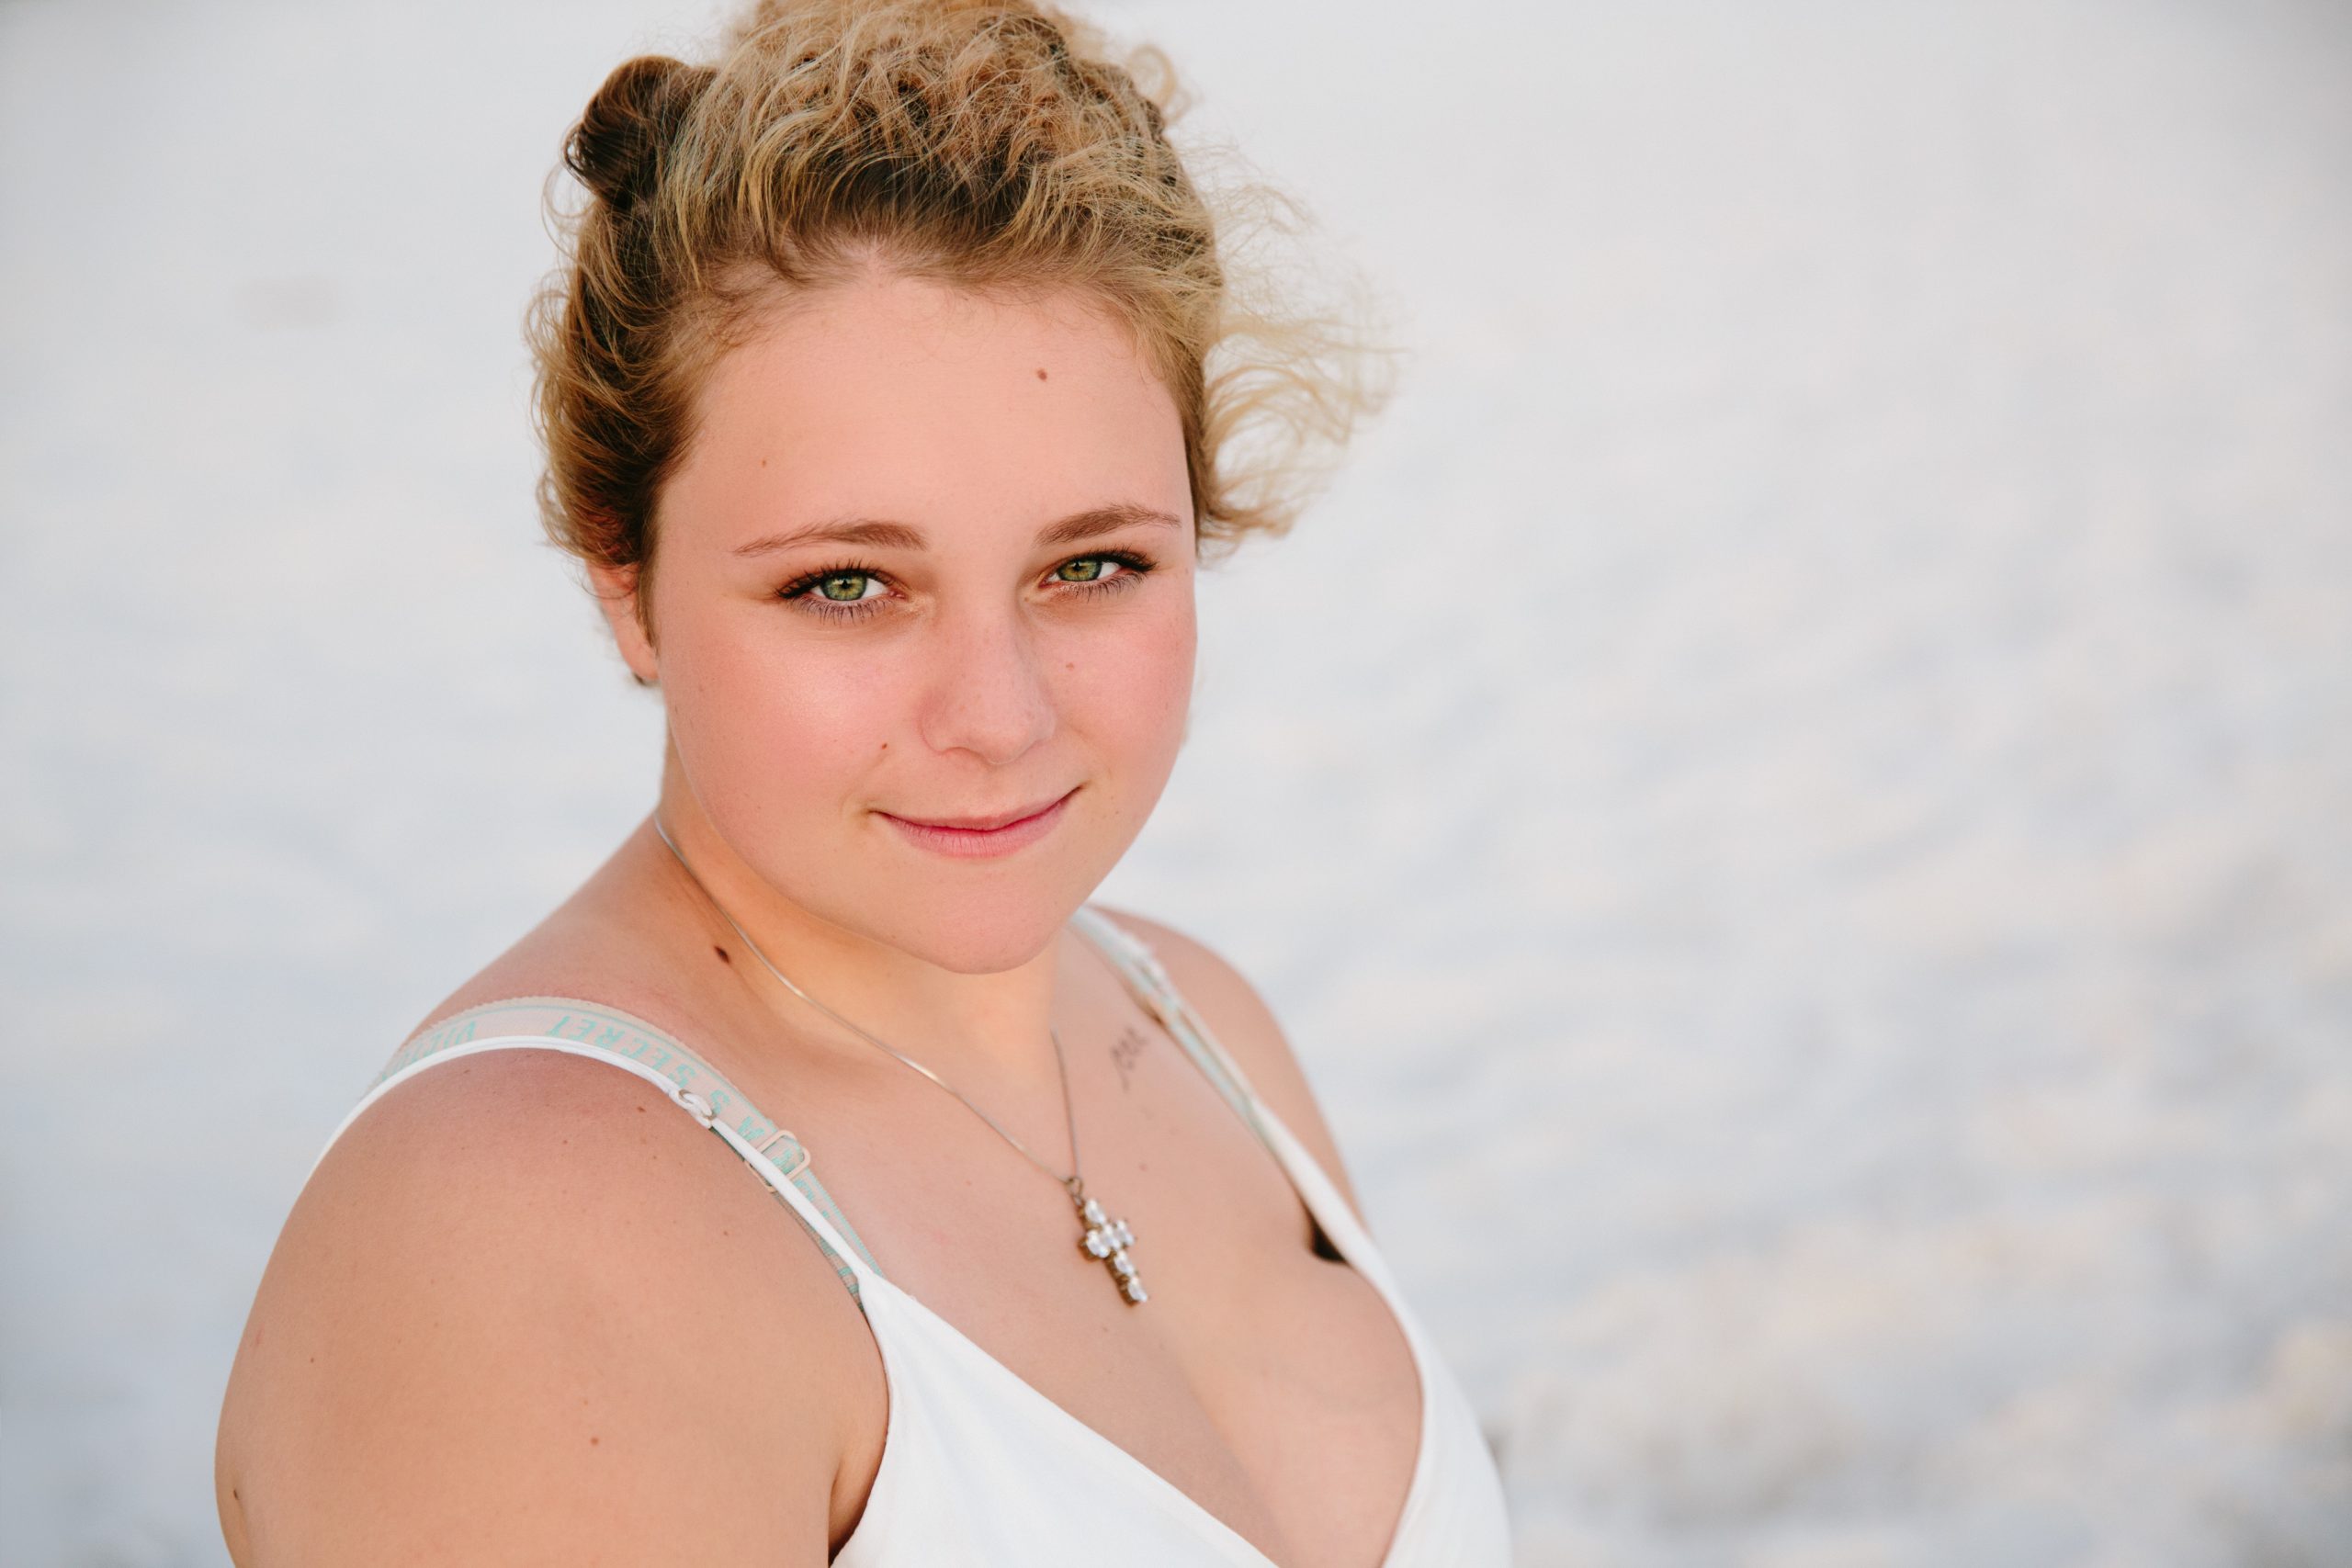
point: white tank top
(978, 1466)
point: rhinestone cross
(1109, 1239)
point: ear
(616, 591)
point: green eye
(854, 582)
(1088, 569)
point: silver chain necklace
(1100, 1237)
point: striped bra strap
(700, 1089)
(572, 1022)
(1141, 969)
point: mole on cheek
(1041, 374)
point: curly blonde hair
(994, 145)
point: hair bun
(617, 148)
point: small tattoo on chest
(1126, 1050)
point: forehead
(898, 398)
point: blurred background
(1793, 796)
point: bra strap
(1140, 967)
(1149, 979)
(592, 1029)
(582, 1027)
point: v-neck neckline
(1181, 1502)
(1307, 1179)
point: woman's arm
(526, 1312)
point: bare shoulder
(1246, 1026)
(525, 1311)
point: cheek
(778, 734)
(771, 733)
(1130, 694)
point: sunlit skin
(524, 1312)
(953, 664)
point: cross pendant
(1109, 1239)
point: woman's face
(929, 557)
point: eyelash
(799, 588)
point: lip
(984, 824)
(966, 836)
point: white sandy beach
(1793, 796)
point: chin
(979, 932)
(969, 917)
(962, 920)
(984, 917)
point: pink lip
(983, 836)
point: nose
(988, 692)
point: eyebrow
(882, 534)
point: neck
(996, 1022)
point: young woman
(879, 402)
